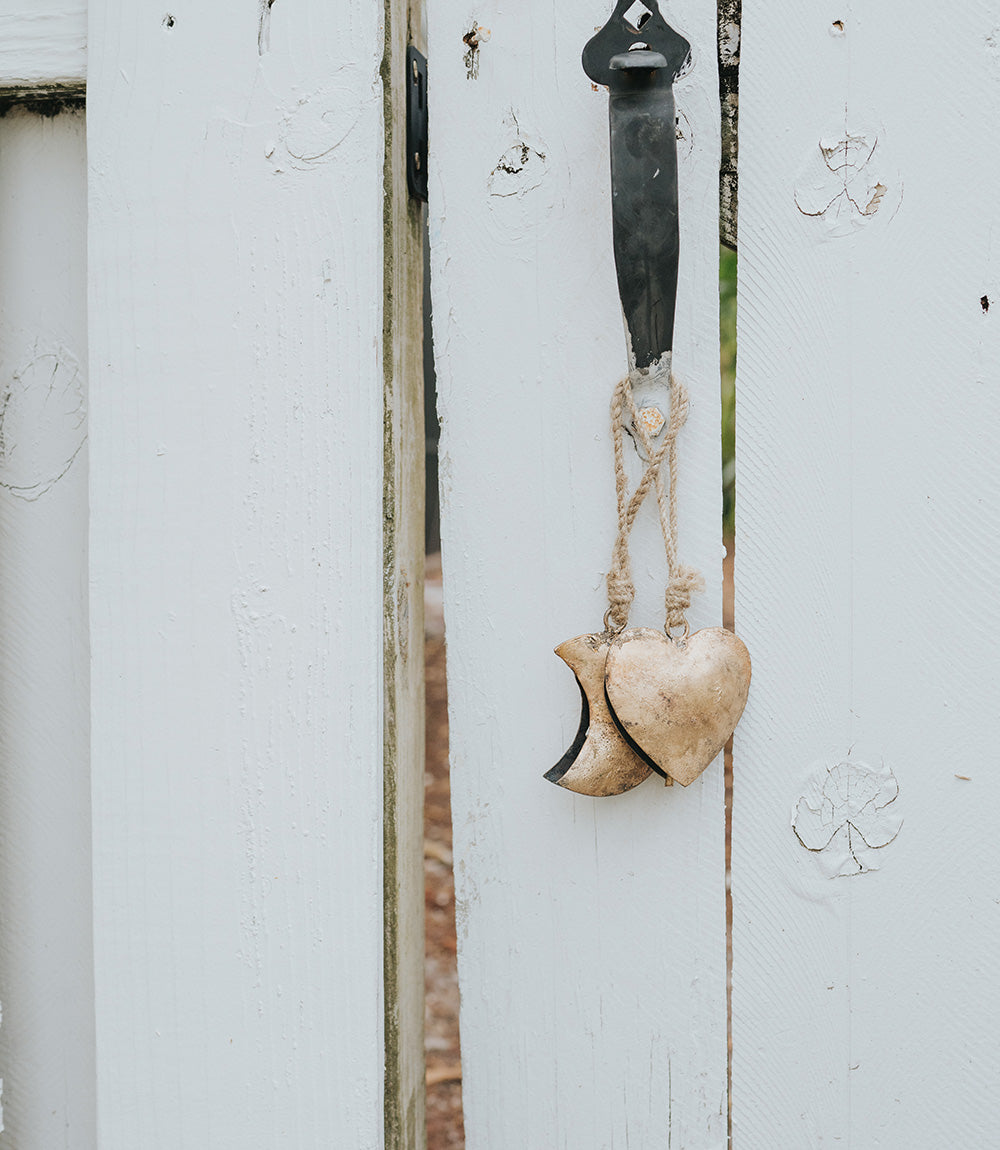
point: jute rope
(683, 581)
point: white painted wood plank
(591, 932)
(864, 1010)
(43, 44)
(46, 971)
(236, 173)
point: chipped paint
(472, 39)
(518, 171)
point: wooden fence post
(864, 839)
(591, 931)
(246, 384)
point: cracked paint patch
(522, 167)
(846, 182)
(846, 815)
(43, 423)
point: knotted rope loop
(683, 581)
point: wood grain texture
(43, 44)
(591, 931)
(403, 604)
(46, 970)
(864, 1009)
(236, 241)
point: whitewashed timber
(591, 931)
(865, 1006)
(46, 970)
(43, 44)
(236, 546)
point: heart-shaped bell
(676, 702)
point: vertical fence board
(46, 973)
(591, 932)
(403, 607)
(864, 1013)
(236, 238)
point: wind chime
(664, 701)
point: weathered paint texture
(591, 930)
(237, 503)
(865, 1006)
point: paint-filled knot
(848, 812)
(520, 169)
(43, 423)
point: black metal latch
(637, 55)
(416, 123)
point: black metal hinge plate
(416, 123)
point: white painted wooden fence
(210, 760)
(214, 300)
(864, 1010)
(592, 938)
(592, 933)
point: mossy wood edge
(403, 544)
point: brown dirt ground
(445, 1130)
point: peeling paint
(523, 165)
(472, 39)
(520, 169)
